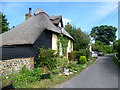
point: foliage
(82, 60)
(56, 71)
(3, 23)
(26, 75)
(103, 33)
(101, 47)
(72, 56)
(83, 52)
(71, 65)
(61, 62)
(115, 46)
(116, 61)
(47, 83)
(37, 71)
(81, 38)
(80, 54)
(64, 43)
(47, 58)
(87, 53)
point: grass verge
(109, 53)
(116, 61)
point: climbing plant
(64, 43)
(71, 44)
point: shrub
(87, 51)
(82, 60)
(71, 65)
(72, 56)
(80, 54)
(78, 68)
(56, 71)
(47, 58)
(25, 75)
(62, 61)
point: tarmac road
(102, 74)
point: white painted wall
(54, 45)
(54, 41)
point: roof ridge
(39, 11)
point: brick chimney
(28, 15)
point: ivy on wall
(64, 43)
(71, 44)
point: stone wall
(14, 65)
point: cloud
(66, 20)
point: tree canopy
(115, 45)
(81, 38)
(101, 47)
(104, 33)
(4, 25)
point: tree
(4, 25)
(81, 38)
(115, 45)
(104, 33)
(101, 47)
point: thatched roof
(28, 31)
(56, 19)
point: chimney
(30, 11)
(28, 15)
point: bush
(71, 65)
(78, 68)
(87, 53)
(47, 58)
(72, 56)
(25, 75)
(80, 54)
(82, 60)
(61, 62)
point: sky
(84, 15)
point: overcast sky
(85, 15)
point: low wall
(14, 65)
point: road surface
(102, 74)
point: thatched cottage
(38, 30)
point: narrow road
(102, 74)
